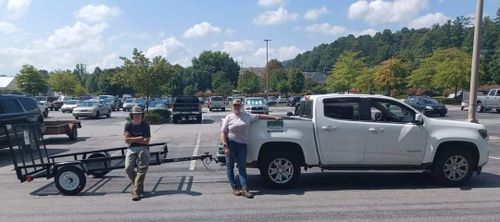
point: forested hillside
(411, 46)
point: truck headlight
(483, 133)
(429, 107)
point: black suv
(427, 105)
(17, 109)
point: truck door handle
(376, 130)
(329, 128)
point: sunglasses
(237, 105)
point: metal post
(267, 63)
(474, 79)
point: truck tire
(223, 109)
(453, 167)
(73, 135)
(498, 110)
(98, 165)
(280, 169)
(70, 180)
(108, 115)
(175, 119)
(97, 114)
(480, 107)
(199, 118)
(46, 113)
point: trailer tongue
(31, 159)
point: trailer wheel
(73, 135)
(98, 165)
(70, 180)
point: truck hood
(441, 123)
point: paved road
(177, 192)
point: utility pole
(474, 75)
(266, 69)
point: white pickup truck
(365, 132)
(489, 102)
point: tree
(189, 90)
(278, 81)
(249, 83)
(423, 75)
(63, 81)
(364, 81)
(31, 81)
(390, 75)
(208, 63)
(147, 77)
(452, 68)
(296, 80)
(224, 89)
(344, 72)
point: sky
(55, 34)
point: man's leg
(142, 168)
(230, 165)
(241, 158)
(130, 160)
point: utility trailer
(69, 128)
(31, 159)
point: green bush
(446, 100)
(157, 116)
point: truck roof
(336, 95)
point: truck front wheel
(453, 167)
(280, 169)
(480, 107)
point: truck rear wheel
(480, 107)
(73, 134)
(70, 180)
(280, 169)
(98, 165)
(453, 167)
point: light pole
(474, 74)
(267, 70)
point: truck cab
(490, 101)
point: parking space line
(195, 152)
(496, 158)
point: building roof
(6, 81)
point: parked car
(282, 99)
(427, 105)
(131, 102)
(47, 101)
(60, 101)
(111, 100)
(256, 105)
(293, 101)
(465, 98)
(17, 109)
(92, 108)
(43, 109)
(216, 102)
(69, 106)
(157, 105)
(271, 100)
(185, 107)
(368, 133)
(489, 102)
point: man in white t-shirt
(234, 135)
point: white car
(256, 105)
(365, 132)
(281, 99)
(43, 108)
(69, 105)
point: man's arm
(129, 139)
(223, 138)
(268, 117)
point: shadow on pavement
(368, 181)
(117, 185)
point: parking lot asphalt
(188, 192)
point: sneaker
(136, 197)
(236, 192)
(246, 193)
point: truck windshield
(255, 102)
(187, 99)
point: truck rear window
(217, 99)
(187, 99)
(304, 109)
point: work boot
(246, 193)
(136, 196)
(236, 192)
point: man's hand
(226, 149)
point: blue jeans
(238, 152)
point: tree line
(212, 72)
(432, 59)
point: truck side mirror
(419, 119)
(289, 114)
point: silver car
(69, 105)
(256, 105)
(92, 108)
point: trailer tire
(70, 180)
(102, 173)
(284, 164)
(73, 135)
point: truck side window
(342, 108)
(10, 106)
(304, 109)
(498, 93)
(492, 93)
(390, 111)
